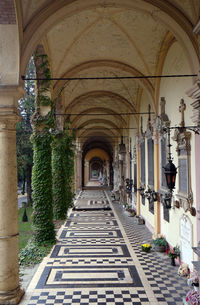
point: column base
(12, 297)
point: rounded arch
(97, 152)
(96, 94)
(167, 43)
(100, 110)
(103, 131)
(166, 12)
(145, 83)
(97, 121)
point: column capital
(16, 92)
(8, 118)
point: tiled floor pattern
(166, 284)
(94, 263)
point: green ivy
(69, 165)
(33, 253)
(63, 170)
(43, 226)
(58, 174)
(45, 121)
(61, 163)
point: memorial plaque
(165, 213)
(150, 162)
(143, 200)
(151, 206)
(135, 178)
(163, 160)
(183, 176)
(186, 241)
(142, 161)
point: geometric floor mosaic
(93, 262)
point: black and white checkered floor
(98, 260)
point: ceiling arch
(99, 110)
(120, 66)
(163, 11)
(102, 154)
(97, 121)
(112, 96)
(102, 131)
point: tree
(24, 131)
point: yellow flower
(146, 245)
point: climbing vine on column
(58, 174)
(63, 170)
(69, 165)
(43, 227)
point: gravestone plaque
(163, 161)
(142, 161)
(183, 176)
(135, 178)
(165, 213)
(150, 162)
(143, 200)
(186, 240)
(151, 206)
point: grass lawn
(25, 230)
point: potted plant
(174, 253)
(160, 244)
(146, 247)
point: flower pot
(173, 261)
(160, 248)
(146, 249)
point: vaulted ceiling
(106, 38)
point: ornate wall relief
(182, 137)
(163, 123)
(150, 151)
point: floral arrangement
(183, 270)
(160, 240)
(193, 297)
(146, 247)
(174, 252)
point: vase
(160, 248)
(173, 261)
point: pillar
(79, 170)
(138, 176)
(108, 171)
(10, 291)
(156, 184)
(86, 172)
(194, 94)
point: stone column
(156, 184)
(108, 171)
(79, 170)
(10, 292)
(138, 176)
(194, 94)
(86, 172)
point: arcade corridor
(98, 260)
